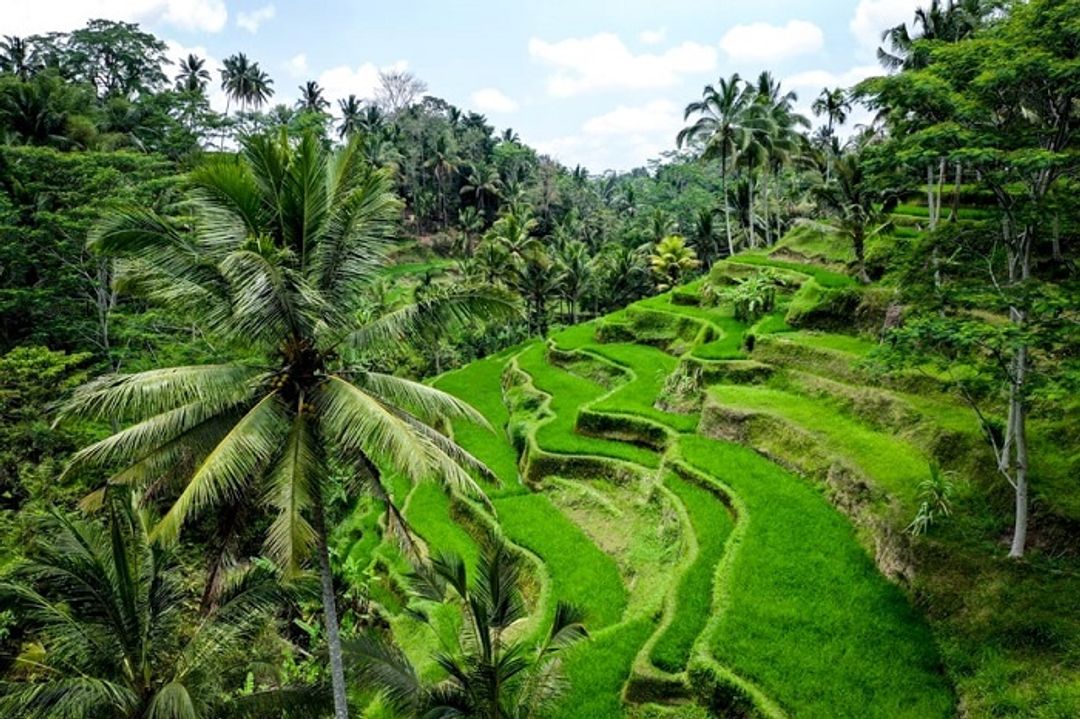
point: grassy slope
(807, 616)
(712, 523)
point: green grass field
(780, 590)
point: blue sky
(596, 82)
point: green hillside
(738, 538)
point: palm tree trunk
(750, 210)
(765, 208)
(333, 633)
(724, 199)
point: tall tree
(312, 98)
(109, 609)
(17, 57)
(193, 76)
(285, 242)
(720, 130)
(351, 111)
(490, 673)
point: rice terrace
(338, 401)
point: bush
(817, 307)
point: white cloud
(872, 17)
(341, 81)
(489, 99)
(658, 116)
(624, 138)
(603, 62)
(251, 21)
(817, 79)
(297, 65)
(27, 18)
(653, 37)
(762, 41)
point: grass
(568, 393)
(580, 573)
(712, 524)
(480, 384)
(893, 464)
(415, 268)
(650, 367)
(806, 616)
(597, 670)
(824, 277)
(428, 513)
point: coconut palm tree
(483, 182)
(443, 162)
(351, 113)
(311, 98)
(951, 22)
(672, 259)
(576, 271)
(834, 105)
(489, 674)
(779, 135)
(720, 129)
(537, 279)
(858, 210)
(193, 76)
(705, 235)
(108, 609)
(17, 57)
(284, 243)
(513, 231)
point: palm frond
(145, 394)
(243, 452)
(294, 479)
(438, 313)
(384, 667)
(423, 401)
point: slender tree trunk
(765, 208)
(954, 214)
(1018, 416)
(727, 210)
(333, 633)
(750, 210)
(930, 195)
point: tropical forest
(359, 404)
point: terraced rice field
(707, 570)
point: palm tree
(576, 270)
(537, 279)
(443, 162)
(108, 608)
(834, 105)
(245, 83)
(705, 235)
(624, 274)
(17, 57)
(779, 136)
(860, 212)
(489, 675)
(483, 181)
(311, 98)
(513, 231)
(351, 112)
(957, 20)
(719, 127)
(672, 259)
(285, 242)
(193, 76)
(260, 88)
